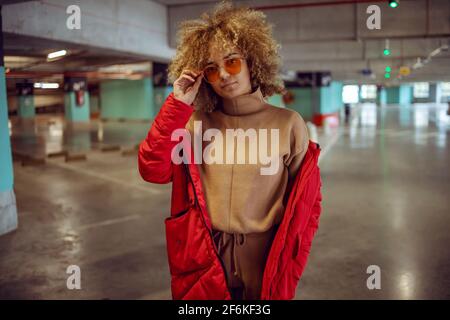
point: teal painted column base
(8, 209)
(393, 95)
(8, 212)
(276, 100)
(318, 104)
(382, 97)
(302, 102)
(405, 95)
(25, 108)
(73, 112)
(328, 105)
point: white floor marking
(105, 177)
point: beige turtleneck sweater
(240, 199)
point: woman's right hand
(185, 88)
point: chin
(232, 92)
(230, 95)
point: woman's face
(229, 85)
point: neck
(244, 104)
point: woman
(226, 63)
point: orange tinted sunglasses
(231, 66)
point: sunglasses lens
(233, 66)
(212, 74)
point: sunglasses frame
(218, 67)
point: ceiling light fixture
(56, 54)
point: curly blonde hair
(228, 26)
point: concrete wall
(127, 99)
(94, 104)
(276, 100)
(303, 102)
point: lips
(228, 84)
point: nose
(223, 74)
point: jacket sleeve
(155, 164)
(310, 231)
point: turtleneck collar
(244, 104)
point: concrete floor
(386, 203)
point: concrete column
(76, 99)
(317, 103)
(8, 209)
(276, 100)
(161, 89)
(393, 95)
(127, 99)
(25, 100)
(405, 95)
(381, 96)
(329, 104)
(438, 93)
(301, 100)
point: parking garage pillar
(8, 210)
(405, 95)
(328, 102)
(315, 97)
(161, 89)
(25, 100)
(76, 99)
(401, 95)
(381, 96)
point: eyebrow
(226, 57)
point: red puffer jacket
(196, 269)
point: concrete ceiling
(28, 55)
(5, 2)
(182, 2)
(317, 35)
(313, 37)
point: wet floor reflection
(385, 185)
(52, 134)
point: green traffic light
(386, 52)
(387, 75)
(393, 4)
(388, 69)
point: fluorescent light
(435, 52)
(50, 85)
(56, 54)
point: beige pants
(244, 257)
